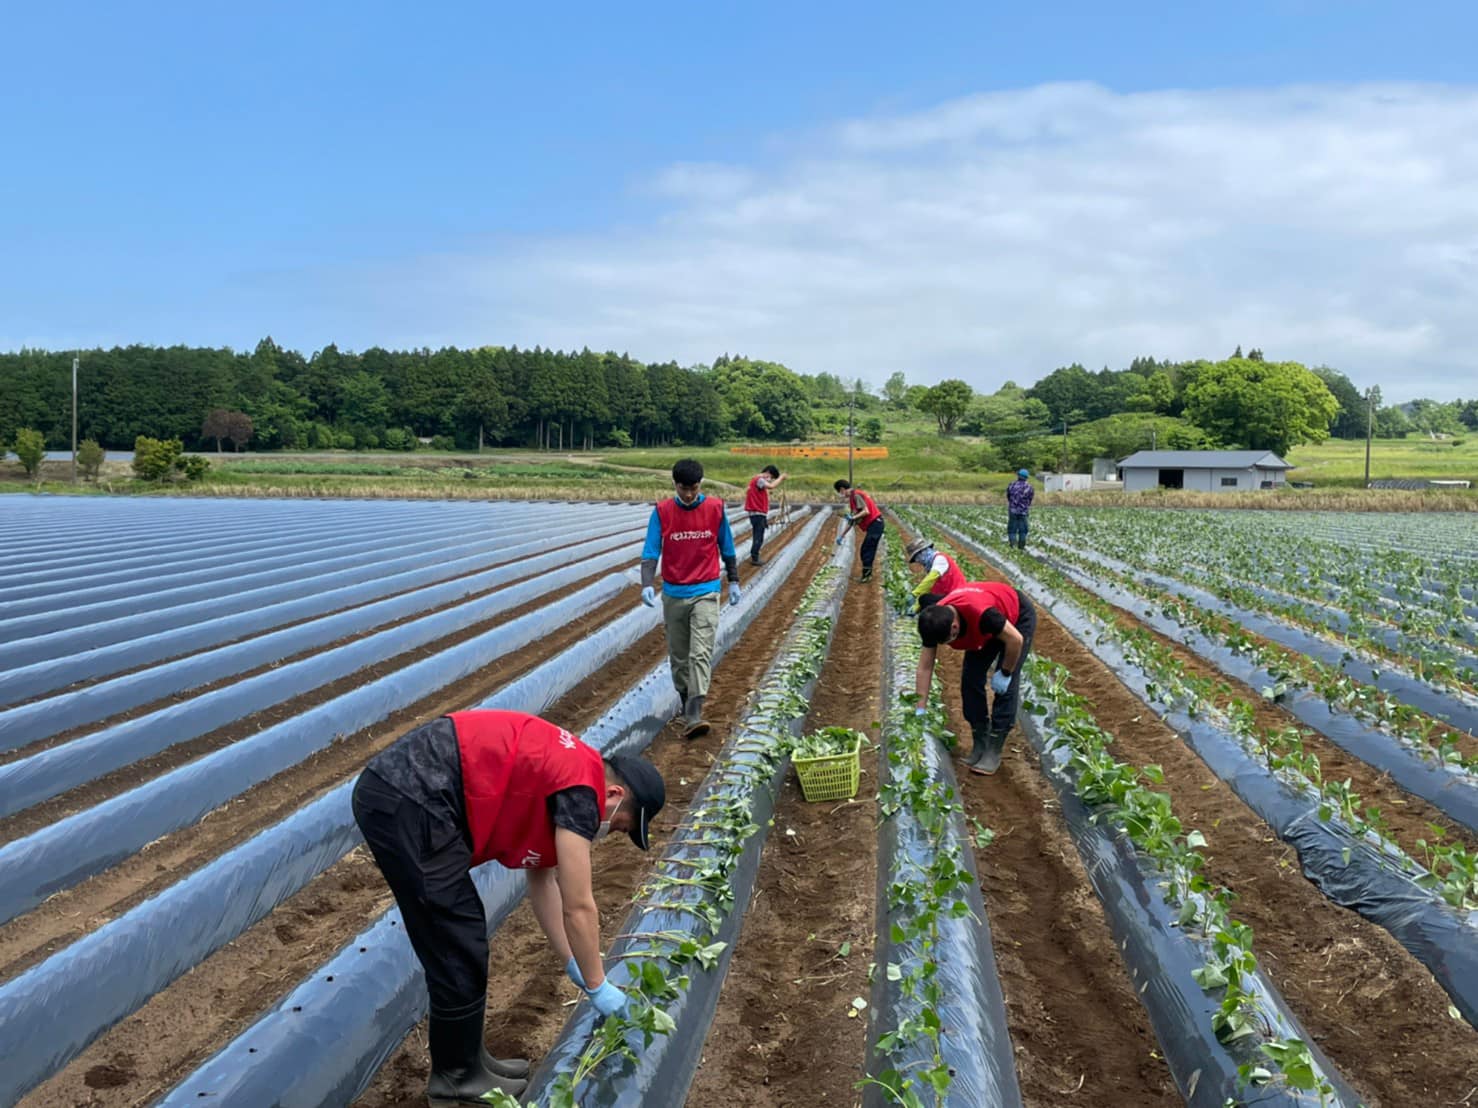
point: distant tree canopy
(1261, 405)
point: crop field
(1230, 857)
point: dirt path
(1370, 1006)
(185, 1023)
(529, 998)
(782, 1038)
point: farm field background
(1232, 851)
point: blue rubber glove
(921, 711)
(572, 971)
(733, 592)
(649, 596)
(1000, 682)
(608, 999)
(841, 539)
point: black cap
(645, 787)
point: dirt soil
(179, 1027)
(529, 998)
(1375, 1011)
(782, 1032)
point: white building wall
(1198, 480)
(1141, 480)
(1203, 479)
(1068, 482)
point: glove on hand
(841, 539)
(733, 592)
(608, 999)
(1000, 682)
(572, 971)
(649, 596)
(921, 711)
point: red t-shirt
(971, 600)
(859, 501)
(690, 540)
(757, 499)
(512, 763)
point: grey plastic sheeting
(1353, 871)
(64, 711)
(1449, 788)
(45, 676)
(1409, 689)
(975, 1040)
(323, 1043)
(664, 1070)
(1161, 957)
(38, 637)
(65, 852)
(51, 772)
(64, 1003)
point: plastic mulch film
(1353, 871)
(745, 774)
(50, 772)
(975, 1041)
(63, 853)
(1444, 705)
(1161, 956)
(1450, 788)
(65, 711)
(323, 1043)
(40, 671)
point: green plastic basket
(834, 777)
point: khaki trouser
(692, 627)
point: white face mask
(605, 828)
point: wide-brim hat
(917, 547)
(647, 789)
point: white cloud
(1001, 235)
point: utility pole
(1369, 430)
(851, 429)
(1064, 444)
(75, 358)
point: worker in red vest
(689, 533)
(867, 517)
(757, 507)
(481, 786)
(992, 623)
(941, 574)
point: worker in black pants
(481, 786)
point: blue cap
(1022, 473)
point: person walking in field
(941, 574)
(864, 514)
(479, 786)
(689, 533)
(1019, 495)
(992, 623)
(757, 507)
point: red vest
(756, 500)
(512, 763)
(951, 579)
(873, 515)
(971, 600)
(690, 540)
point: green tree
(156, 459)
(895, 390)
(30, 448)
(1350, 420)
(947, 402)
(1262, 405)
(872, 430)
(90, 458)
(1065, 390)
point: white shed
(1203, 470)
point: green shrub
(398, 438)
(155, 459)
(90, 458)
(872, 430)
(344, 440)
(30, 448)
(619, 436)
(443, 442)
(193, 466)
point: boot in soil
(977, 747)
(504, 1067)
(696, 726)
(990, 757)
(756, 561)
(458, 1072)
(866, 576)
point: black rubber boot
(756, 561)
(505, 1067)
(977, 748)
(459, 1074)
(989, 758)
(866, 576)
(695, 726)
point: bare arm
(577, 900)
(924, 675)
(1011, 648)
(548, 909)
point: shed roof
(1203, 459)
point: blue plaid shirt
(1019, 495)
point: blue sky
(972, 190)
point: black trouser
(425, 861)
(757, 524)
(870, 543)
(998, 717)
